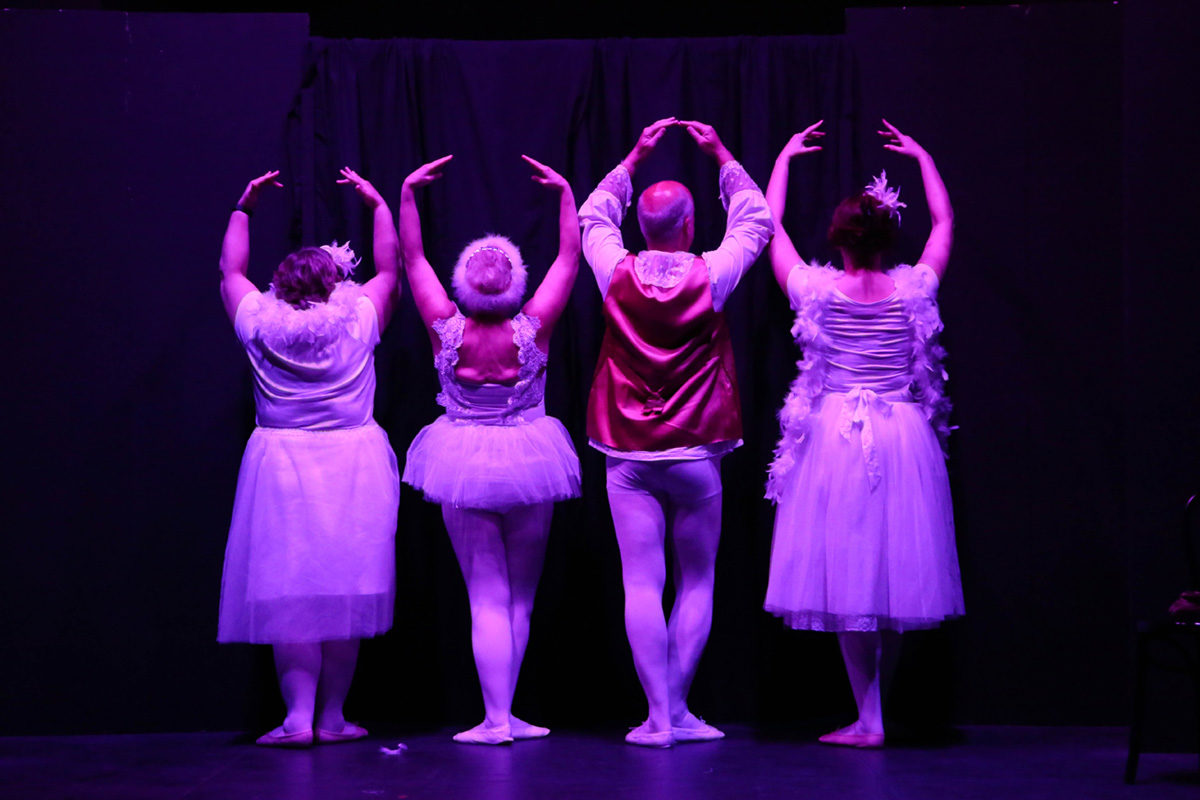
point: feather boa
(306, 332)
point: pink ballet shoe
(501, 734)
(643, 737)
(842, 738)
(277, 738)
(703, 732)
(349, 733)
(523, 730)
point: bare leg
(640, 525)
(478, 543)
(696, 533)
(298, 667)
(862, 652)
(337, 670)
(526, 530)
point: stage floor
(987, 762)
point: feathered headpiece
(475, 300)
(889, 199)
(343, 258)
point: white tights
(314, 678)
(501, 556)
(653, 503)
(868, 668)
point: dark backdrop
(1061, 131)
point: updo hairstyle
(862, 227)
(305, 277)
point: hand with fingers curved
(709, 142)
(899, 142)
(804, 142)
(546, 176)
(646, 142)
(365, 190)
(427, 173)
(249, 199)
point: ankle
(297, 721)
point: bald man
(664, 409)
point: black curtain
(385, 107)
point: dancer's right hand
(427, 173)
(804, 141)
(646, 142)
(249, 198)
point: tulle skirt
(855, 554)
(311, 551)
(469, 464)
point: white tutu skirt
(311, 552)
(849, 557)
(493, 467)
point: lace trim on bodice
(916, 290)
(529, 389)
(664, 270)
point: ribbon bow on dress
(856, 412)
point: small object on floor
(349, 733)
(847, 738)
(501, 734)
(644, 737)
(697, 730)
(278, 738)
(393, 751)
(523, 730)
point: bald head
(667, 216)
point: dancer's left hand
(365, 190)
(708, 140)
(546, 176)
(899, 142)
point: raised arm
(383, 288)
(783, 253)
(430, 296)
(748, 225)
(941, 215)
(603, 211)
(235, 248)
(551, 296)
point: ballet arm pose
(783, 252)
(384, 288)
(941, 235)
(433, 303)
(551, 296)
(235, 248)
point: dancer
(494, 460)
(310, 565)
(664, 409)
(864, 531)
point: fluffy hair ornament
(476, 301)
(889, 199)
(343, 258)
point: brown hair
(862, 227)
(305, 277)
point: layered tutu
(311, 551)
(864, 531)
(494, 467)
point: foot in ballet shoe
(482, 734)
(852, 736)
(280, 738)
(523, 730)
(349, 733)
(694, 729)
(644, 737)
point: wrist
(723, 156)
(245, 208)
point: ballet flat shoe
(501, 734)
(349, 733)
(277, 738)
(527, 731)
(863, 741)
(644, 738)
(703, 733)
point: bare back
(488, 354)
